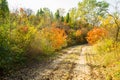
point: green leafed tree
(90, 10)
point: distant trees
(44, 17)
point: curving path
(74, 63)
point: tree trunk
(117, 34)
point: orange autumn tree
(95, 34)
(58, 37)
(51, 39)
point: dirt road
(75, 63)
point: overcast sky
(53, 5)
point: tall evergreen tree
(62, 19)
(67, 18)
(57, 15)
(41, 12)
(4, 11)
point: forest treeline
(25, 35)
